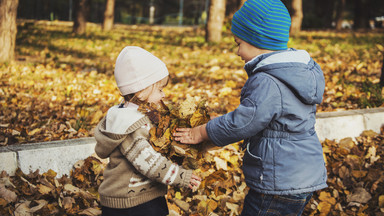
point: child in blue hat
(283, 162)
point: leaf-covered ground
(62, 84)
(355, 179)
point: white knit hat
(137, 69)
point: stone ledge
(60, 156)
(8, 161)
(350, 123)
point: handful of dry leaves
(166, 119)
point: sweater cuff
(187, 178)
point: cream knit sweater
(136, 173)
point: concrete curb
(342, 124)
(60, 156)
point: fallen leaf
(359, 195)
(7, 195)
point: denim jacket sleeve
(260, 103)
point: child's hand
(195, 182)
(191, 135)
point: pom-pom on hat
(137, 69)
(263, 23)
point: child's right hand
(191, 135)
(194, 182)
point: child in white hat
(136, 178)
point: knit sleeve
(153, 165)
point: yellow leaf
(200, 116)
(34, 131)
(380, 47)
(163, 141)
(187, 107)
(324, 208)
(233, 207)
(381, 201)
(230, 84)
(178, 195)
(97, 167)
(96, 117)
(220, 163)
(234, 160)
(326, 197)
(50, 174)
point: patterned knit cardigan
(136, 173)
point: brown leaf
(72, 189)
(67, 202)
(41, 204)
(359, 195)
(8, 195)
(22, 209)
(44, 189)
(3, 202)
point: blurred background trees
(214, 15)
(316, 13)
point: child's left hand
(195, 182)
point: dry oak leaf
(41, 203)
(44, 189)
(8, 195)
(359, 195)
(67, 202)
(22, 209)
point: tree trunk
(109, 15)
(361, 19)
(80, 20)
(8, 29)
(382, 73)
(215, 23)
(339, 14)
(297, 16)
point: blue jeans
(274, 205)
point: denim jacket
(276, 119)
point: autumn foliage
(61, 86)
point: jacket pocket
(252, 166)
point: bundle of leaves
(166, 119)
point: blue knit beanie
(263, 23)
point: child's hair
(143, 95)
